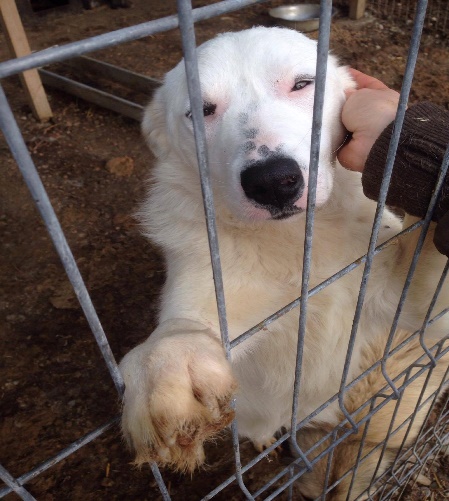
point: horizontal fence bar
(23, 479)
(55, 54)
(260, 326)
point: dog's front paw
(178, 394)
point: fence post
(19, 46)
(357, 8)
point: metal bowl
(301, 17)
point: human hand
(368, 110)
(441, 235)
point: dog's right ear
(154, 125)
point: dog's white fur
(178, 382)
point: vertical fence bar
(330, 457)
(318, 105)
(419, 245)
(196, 102)
(432, 359)
(399, 120)
(14, 138)
(435, 452)
(359, 453)
(389, 431)
(160, 482)
(186, 25)
(437, 393)
(430, 309)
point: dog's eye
(208, 110)
(300, 84)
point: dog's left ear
(154, 125)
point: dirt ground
(54, 386)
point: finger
(352, 156)
(350, 92)
(345, 158)
(364, 81)
(441, 236)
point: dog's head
(258, 92)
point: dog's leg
(178, 391)
(396, 261)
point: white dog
(258, 92)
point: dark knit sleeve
(423, 143)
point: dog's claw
(262, 446)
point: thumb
(441, 236)
(345, 157)
(353, 155)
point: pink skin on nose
(301, 203)
(256, 213)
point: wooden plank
(18, 45)
(356, 8)
(130, 79)
(98, 97)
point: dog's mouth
(284, 213)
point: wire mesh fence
(320, 452)
(437, 18)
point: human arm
(423, 143)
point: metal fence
(437, 19)
(430, 440)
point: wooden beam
(356, 8)
(18, 45)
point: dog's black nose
(275, 182)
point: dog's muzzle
(275, 184)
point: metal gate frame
(398, 474)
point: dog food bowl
(301, 17)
